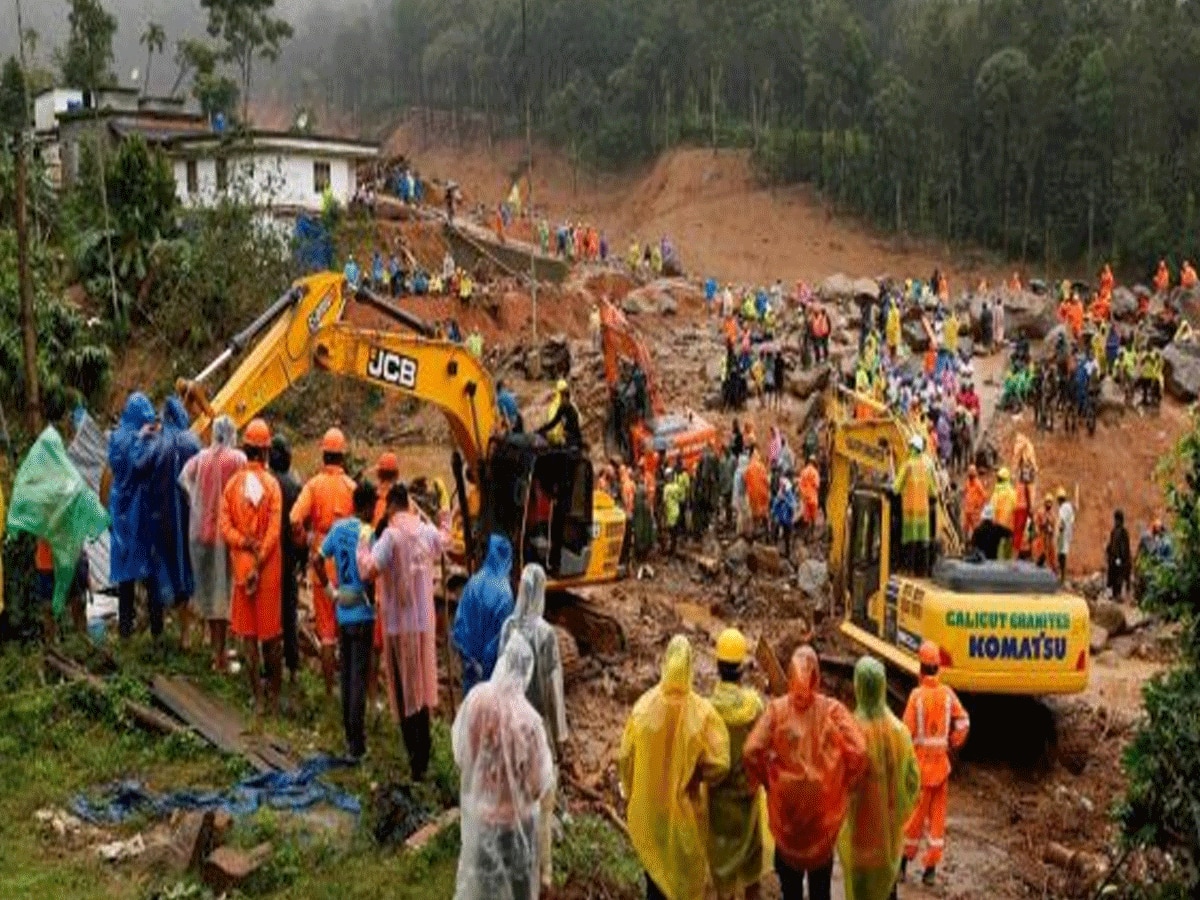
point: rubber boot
(930, 876)
(904, 868)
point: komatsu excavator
(637, 422)
(542, 498)
(1002, 627)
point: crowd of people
(790, 782)
(1064, 381)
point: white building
(48, 104)
(287, 173)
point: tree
(153, 39)
(1161, 807)
(14, 117)
(216, 93)
(248, 30)
(86, 59)
(141, 201)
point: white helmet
(917, 442)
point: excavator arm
(875, 444)
(303, 330)
(619, 342)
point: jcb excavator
(636, 421)
(542, 498)
(1002, 627)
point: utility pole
(537, 353)
(33, 403)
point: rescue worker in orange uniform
(251, 525)
(758, 489)
(1187, 275)
(327, 497)
(1107, 282)
(810, 492)
(1162, 278)
(1043, 535)
(975, 498)
(387, 472)
(938, 724)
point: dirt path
(723, 222)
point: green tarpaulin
(50, 500)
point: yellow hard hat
(1061, 493)
(562, 385)
(1004, 474)
(731, 647)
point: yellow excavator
(542, 498)
(1002, 627)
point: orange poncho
(758, 487)
(808, 752)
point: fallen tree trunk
(144, 715)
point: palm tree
(153, 39)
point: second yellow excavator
(542, 498)
(1001, 627)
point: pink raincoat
(402, 561)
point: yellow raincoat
(556, 435)
(892, 328)
(872, 837)
(674, 742)
(740, 847)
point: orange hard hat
(257, 434)
(387, 463)
(333, 441)
(929, 654)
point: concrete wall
(268, 178)
(49, 104)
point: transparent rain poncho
(204, 479)
(545, 689)
(674, 742)
(50, 500)
(506, 768)
(872, 836)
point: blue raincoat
(127, 499)
(167, 506)
(486, 601)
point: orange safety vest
(937, 721)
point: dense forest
(1063, 129)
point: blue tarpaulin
(275, 790)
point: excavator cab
(541, 497)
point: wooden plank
(219, 724)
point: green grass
(58, 739)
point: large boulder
(806, 382)
(1108, 615)
(1112, 401)
(866, 287)
(812, 577)
(633, 305)
(1029, 315)
(1050, 341)
(1124, 304)
(1183, 371)
(836, 287)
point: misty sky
(180, 18)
